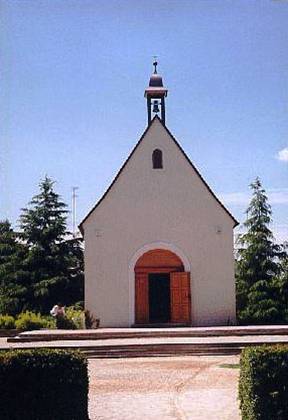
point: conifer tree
(75, 271)
(50, 260)
(258, 300)
(14, 280)
(282, 281)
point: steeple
(155, 94)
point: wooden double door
(162, 297)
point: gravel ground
(190, 387)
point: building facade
(159, 244)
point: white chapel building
(159, 243)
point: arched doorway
(162, 289)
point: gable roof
(129, 157)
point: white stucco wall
(170, 206)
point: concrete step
(123, 333)
(159, 351)
(148, 350)
(157, 346)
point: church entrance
(162, 289)
(159, 297)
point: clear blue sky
(73, 73)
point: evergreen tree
(258, 299)
(50, 260)
(76, 271)
(14, 280)
(282, 281)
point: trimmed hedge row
(263, 384)
(43, 384)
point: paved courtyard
(191, 387)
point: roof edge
(200, 176)
(236, 223)
(117, 175)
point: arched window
(157, 159)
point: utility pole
(74, 197)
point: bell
(156, 107)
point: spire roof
(155, 84)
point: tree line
(42, 264)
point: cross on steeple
(155, 64)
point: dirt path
(194, 387)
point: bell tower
(155, 94)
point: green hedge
(74, 319)
(263, 384)
(43, 384)
(29, 320)
(7, 322)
